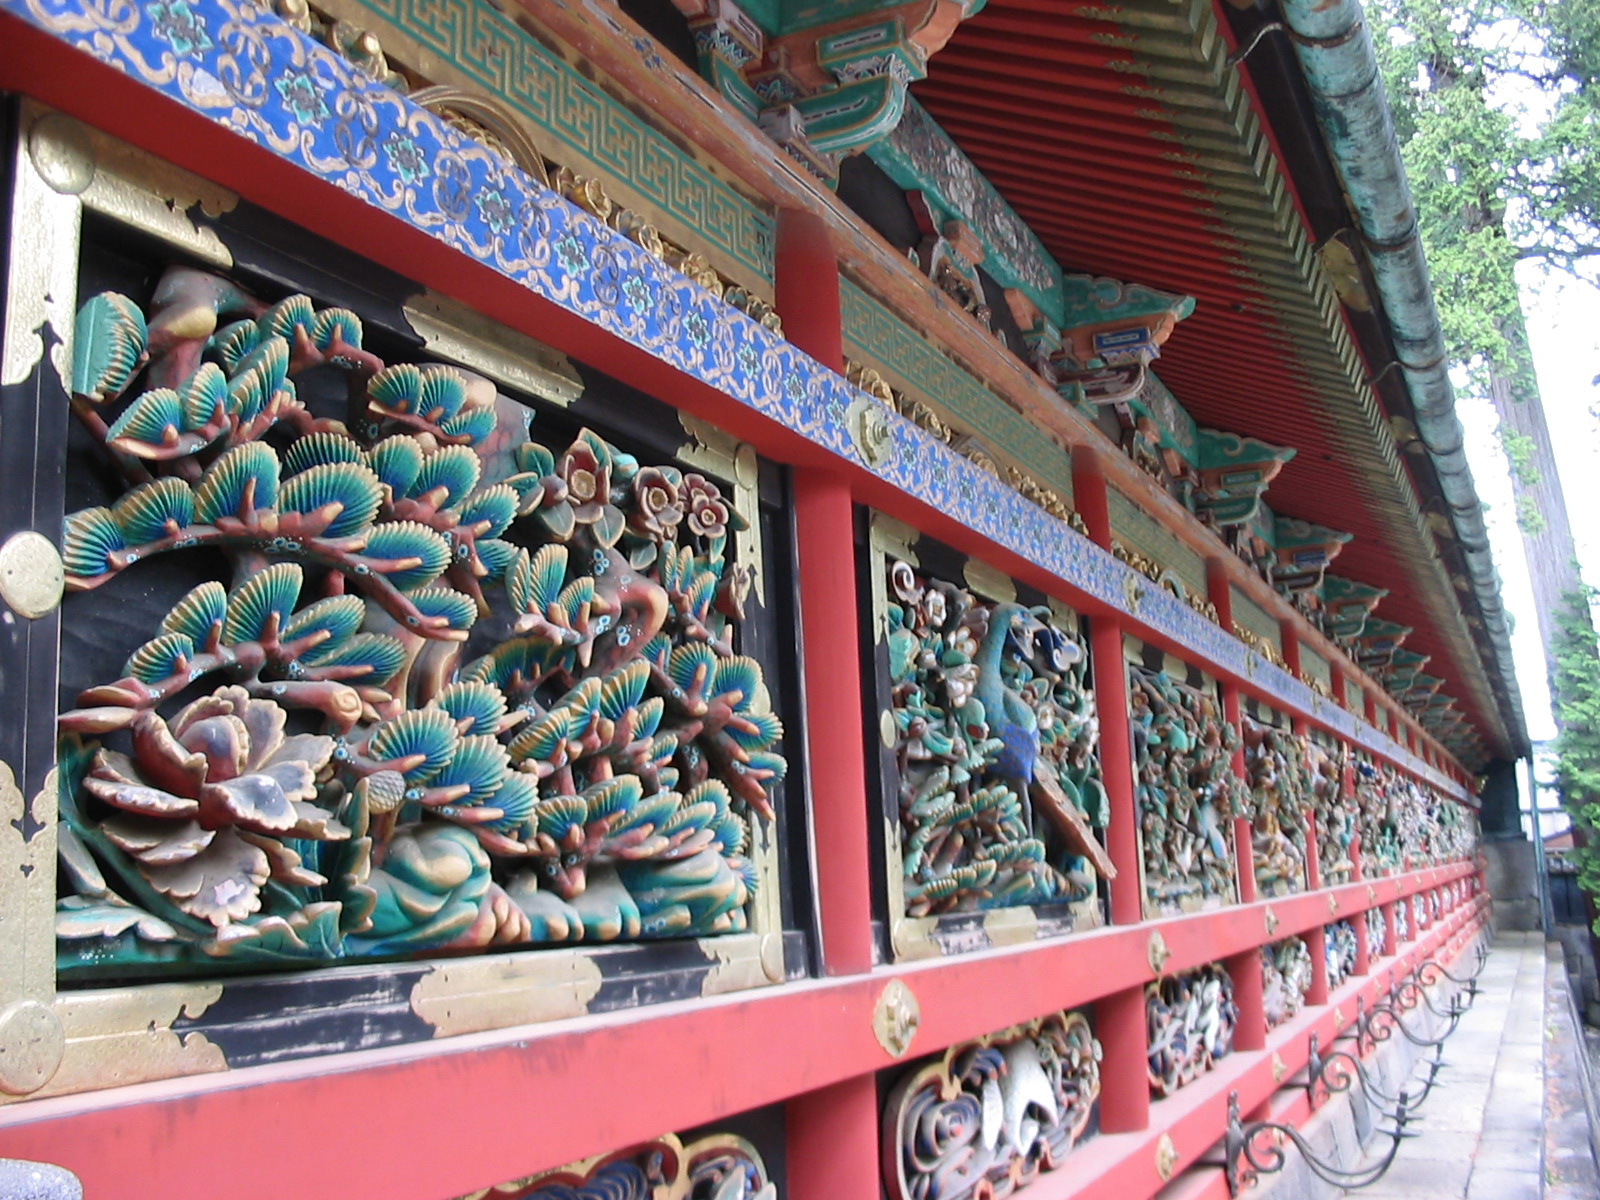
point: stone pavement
(1484, 1129)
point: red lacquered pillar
(807, 288)
(1245, 971)
(1119, 1023)
(1111, 702)
(1317, 944)
(1363, 951)
(1313, 855)
(1302, 730)
(1089, 496)
(1289, 646)
(832, 1133)
(1116, 768)
(1243, 840)
(1347, 791)
(833, 1139)
(832, 674)
(1119, 1019)
(1391, 938)
(1220, 592)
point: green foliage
(1575, 686)
(1498, 116)
(1520, 449)
(1529, 519)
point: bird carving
(1012, 721)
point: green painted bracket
(852, 115)
(920, 157)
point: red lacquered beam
(556, 1090)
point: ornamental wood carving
(1339, 946)
(1275, 761)
(994, 735)
(1404, 824)
(718, 1167)
(1377, 934)
(1190, 1020)
(1187, 793)
(1285, 979)
(989, 1116)
(1376, 817)
(447, 687)
(1334, 815)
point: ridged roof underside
(1133, 150)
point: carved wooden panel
(1190, 1022)
(991, 777)
(988, 1117)
(368, 661)
(1185, 787)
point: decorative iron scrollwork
(1256, 1149)
(455, 687)
(1338, 1070)
(989, 1116)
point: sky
(1563, 318)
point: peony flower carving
(658, 507)
(707, 513)
(588, 482)
(204, 802)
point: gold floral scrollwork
(869, 380)
(1333, 903)
(1372, 894)
(1156, 952)
(1338, 1018)
(895, 1018)
(487, 122)
(1272, 922)
(694, 266)
(639, 231)
(1279, 1070)
(1166, 1157)
(870, 432)
(31, 1044)
(31, 575)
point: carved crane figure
(1013, 722)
